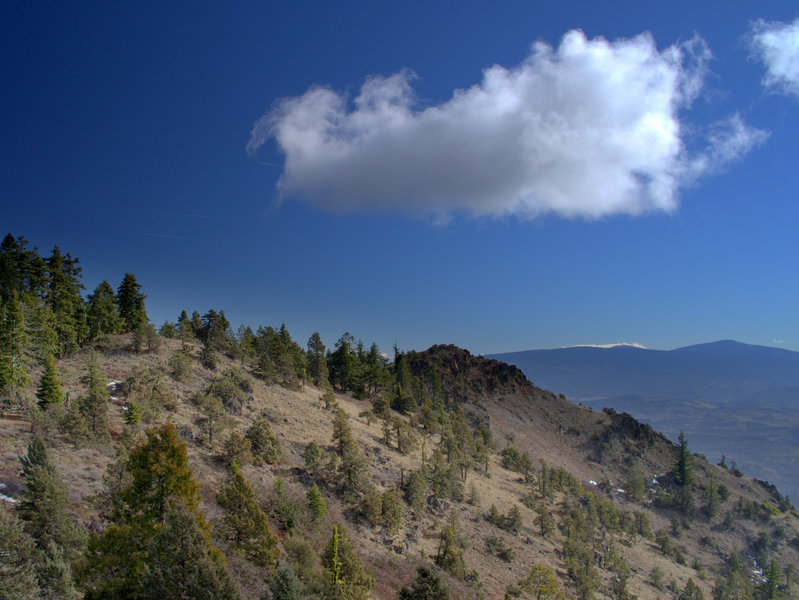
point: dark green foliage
(513, 460)
(416, 491)
(497, 547)
(18, 579)
(317, 363)
(668, 547)
(63, 296)
(285, 585)
(316, 504)
(14, 340)
(213, 333)
(248, 525)
(280, 359)
(544, 521)
(540, 583)
(348, 579)
(168, 330)
(21, 270)
(511, 522)
(94, 405)
(341, 364)
(102, 314)
(265, 446)
(314, 458)
(43, 507)
(183, 563)
(426, 586)
(683, 474)
(49, 391)
(238, 450)
(131, 303)
(180, 365)
(391, 511)
(73, 425)
(691, 591)
(133, 414)
(450, 549)
(157, 545)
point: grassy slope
(545, 426)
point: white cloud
(589, 129)
(777, 45)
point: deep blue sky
(124, 131)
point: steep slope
(730, 398)
(579, 458)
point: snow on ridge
(628, 344)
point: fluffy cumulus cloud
(588, 129)
(777, 45)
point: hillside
(729, 398)
(579, 461)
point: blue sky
(608, 172)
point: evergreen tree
(249, 527)
(264, 444)
(18, 579)
(426, 586)
(43, 506)
(102, 314)
(285, 585)
(316, 504)
(133, 414)
(63, 296)
(317, 364)
(683, 465)
(131, 303)
(73, 425)
(157, 545)
(182, 562)
(14, 364)
(21, 270)
(49, 391)
(348, 579)
(94, 405)
(341, 363)
(541, 584)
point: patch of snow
(627, 344)
(5, 498)
(592, 482)
(621, 491)
(125, 408)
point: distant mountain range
(727, 396)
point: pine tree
(316, 503)
(63, 296)
(317, 363)
(49, 391)
(94, 405)
(157, 545)
(683, 465)
(102, 314)
(131, 303)
(183, 563)
(14, 364)
(347, 577)
(249, 527)
(73, 425)
(18, 565)
(264, 444)
(133, 414)
(43, 506)
(426, 586)
(285, 585)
